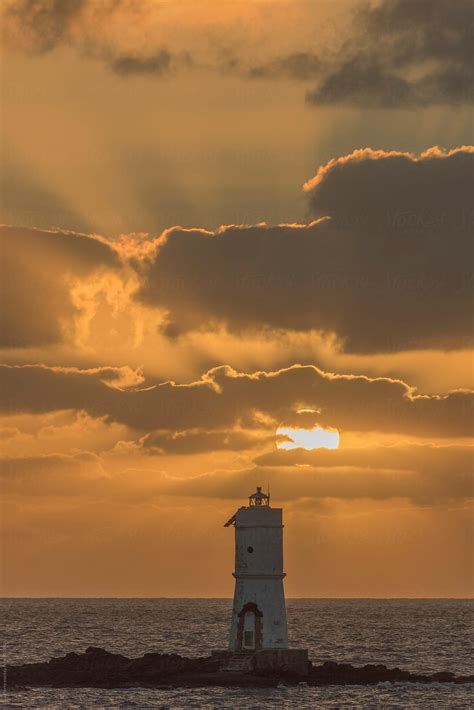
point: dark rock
(101, 669)
(332, 673)
(443, 677)
(460, 679)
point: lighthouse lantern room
(258, 614)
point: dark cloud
(403, 53)
(299, 65)
(420, 29)
(389, 271)
(155, 65)
(399, 191)
(43, 24)
(35, 293)
(196, 441)
(223, 399)
(394, 53)
(365, 83)
(40, 26)
(160, 63)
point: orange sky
(173, 296)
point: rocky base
(98, 668)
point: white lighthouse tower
(258, 614)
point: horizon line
(395, 598)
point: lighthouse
(258, 614)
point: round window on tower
(250, 549)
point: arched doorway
(249, 629)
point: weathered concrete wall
(268, 595)
(260, 528)
(259, 577)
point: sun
(316, 438)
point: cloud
(397, 190)
(197, 441)
(298, 65)
(224, 398)
(426, 475)
(389, 54)
(114, 31)
(59, 432)
(364, 82)
(157, 65)
(389, 270)
(402, 53)
(340, 475)
(383, 268)
(439, 459)
(38, 270)
(41, 24)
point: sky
(236, 251)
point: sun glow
(317, 438)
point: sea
(416, 635)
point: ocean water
(417, 635)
